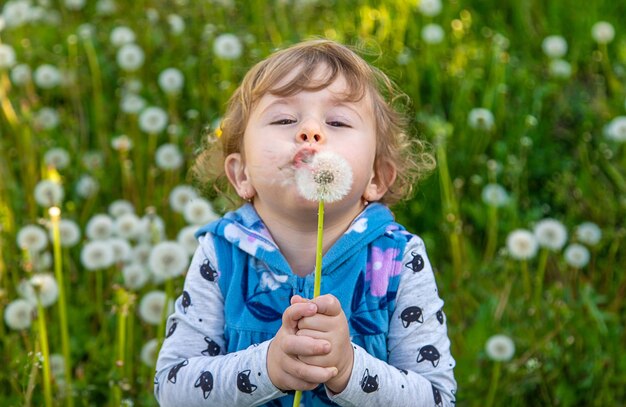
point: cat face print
(369, 384)
(243, 382)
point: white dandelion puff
(32, 238)
(7, 56)
(152, 228)
(551, 234)
(135, 276)
(522, 244)
(433, 33)
(132, 104)
(87, 186)
(199, 211)
(43, 286)
(186, 237)
(58, 158)
(121, 35)
(41, 261)
(151, 307)
(130, 57)
(180, 196)
(560, 68)
(47, 76)
(141, 253)
(500, 348)
(46, 118)
(588, 233)
(75, 4)
(495, 195)
(227, 46)
(554, 46)
(18, 314)
(576, 255)
(167, 260)
(21, 74)
(97, 255)
(176, 23)
(149, 352)
(616, 129)
(48, 193)
(120, 207)
(169, 157)
(171, 80)
(122, 250)
(106, 7)
(122, 143)
(328, 177)
(57, 365)
(69, 233)
(16, 13)
(153, 120)
(99, 227)
(127, 226)
(429, 8)
(481, 119)
(603, 32)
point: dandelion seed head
(560, 68)
(616, 129)
(169, 157)
(106, 7)
(122, 250)
(551, 234)
(171, 80)
(58, 158)
(328, 177)
(120, 207)
(588, 233)
(57, 365)
(21, 74)
(7, 56)
(167, 260)
(48, 193)
(186, 237)
(87, 186)
(32, 238)
(141, 253)
(99, 227)
(16, 13)
(121, 35)
(151, 307)
(603, 32)
(69, 233)
(127, 226)
(122, 143)
(180, 196)
(97, 255)
(135, 276)
(495, 195)
(132, 103)
(47, 76)
(500, 348)
(554, 46)
(43, 286)
(149, 353)
(429, 8)
(153, 120)
(74, 4)
(199, 211)
(481, 119)
(152, 228)
(130, 57)
(576, 255)
(227, 46)
(433, 33)
(18, 314)
(176, 23)
(522, 244)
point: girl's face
(281, 131)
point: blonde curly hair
(408, 155)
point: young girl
(245, 331)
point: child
(245, 331)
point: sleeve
(192, 367)
(419, 371)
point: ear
(237, 174)
(383, 177)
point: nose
(310, 133)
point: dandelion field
(103, 105)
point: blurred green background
(103, 105)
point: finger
(309, 374)
(312, 333)
(305, 345)
(295, 312)
(328, 304)
(296, 299)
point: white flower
(122, 143)
(180, 196)
(588, 233)
(132, 104)
(48, 193)
(135, 276)
(433, 34)
(500, 348)
(43, 286)
(480, 119)
(171, 80)
(328, 177)
(120, 207)
(47, 76)
(153, 120)
(18, 314)
(199, 211)
(87, 186)
(522, 244)
(57, 365)
(106, 7)
(186, 238)
(149, 353)
(560, 68)
(130, 57)
(32, 238)
(603, 32)
(58, 158)
(616, 129)
(97, 255)
(227, 46)
(576, 255)
(495, 195)
(21, 74)
(551, 234)
(121, 35)
(93, 160)
(152, 15)
(152, 228)
(141, 253)
(151, 307)
(46, 118)
(7, 56)
(99, 227)
(554, 46)
(74, 4)
(169, 157)
(127, 226)
(16, 13)
(167, 260)
(121, 249)
(69, 233)
(429, 8)
(86, 31)
(41, 261)
(177, 24)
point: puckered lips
(303, 156)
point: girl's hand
(284, 366)
(329, 324)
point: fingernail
(312, 307)
(335, 371)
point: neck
(297, 236)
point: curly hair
(409, 155)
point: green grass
(547, 149)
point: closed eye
(282, 122)
(336, 123)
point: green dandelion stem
(98, 103)
(492, 232)
(541, 271)
(526, 278)
(120, 361)
(100, 298)
(493, 387)
(43, 342)
(317, 286)
(58, 272)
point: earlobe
(237, 174)
(384, 176)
